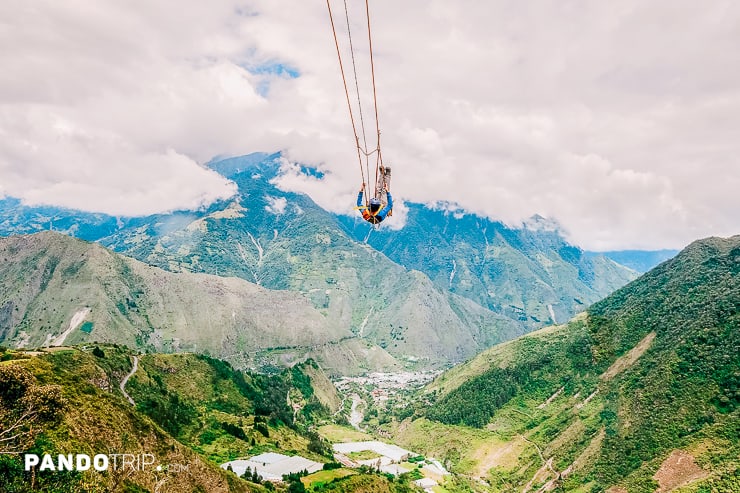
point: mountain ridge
(49, 279)
(529, 274)
(284, 241)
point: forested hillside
(650, 372)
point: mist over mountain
(437, 292)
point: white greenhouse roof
(272, 466)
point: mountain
(637, 260)
(379, 314)
(529, 274)
(56, 290)
(283, 240)
(640, 394)
(18, 219)
(164, 422)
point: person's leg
(379, 187)
(384, 181)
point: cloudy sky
(619, 119)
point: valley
(265, 328)
(250, 246)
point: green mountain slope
(51, 281)
(59, 290)
(530, 274)
(224, 414)
(165, 421)
(614, 398)
(93, 419)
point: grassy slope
(364, 483)
(682, 392)
(49, 277)
(99, 420)
(190, 410)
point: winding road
(125, 380)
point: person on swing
(381, 205)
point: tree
(24, 406)
(296, 487)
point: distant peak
(541, 223)
(257, 162)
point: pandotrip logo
(98, 462)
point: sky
(617, 119)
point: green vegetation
(542, 363)
(74, 404)
(224, 413)
(476, 401)
(653, 368)
(528, 269)
(688, 384)
(318, 480)
(337, 433)
(67, 401)
(25, 408)
(363, 455)
(366, 481)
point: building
(426, 484)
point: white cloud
(276, 205)
(618, 119)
